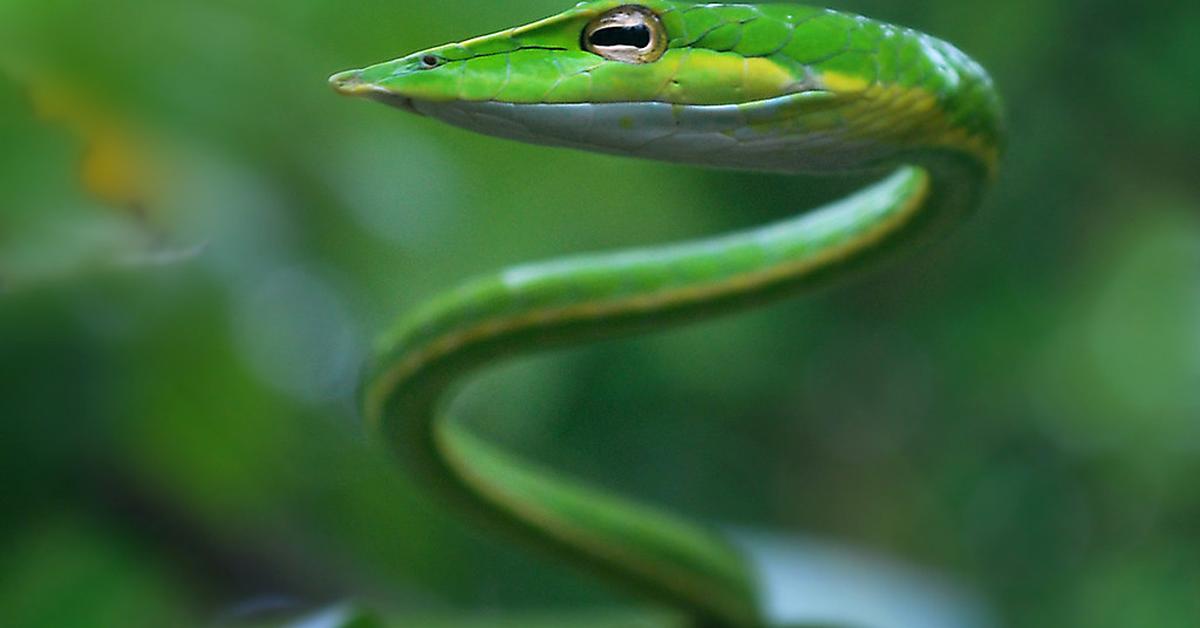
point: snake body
(770, 87)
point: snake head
(660, 79)
(778, 87)
(598, 52)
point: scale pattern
(891, 85)
(772, 87)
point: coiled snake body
(770, 87)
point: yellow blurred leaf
(116, 167)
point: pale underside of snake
(772, 87)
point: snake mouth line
(813, 100)
(350, 83)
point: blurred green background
(1017, 408)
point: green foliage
(178, 436)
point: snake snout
(349, 82)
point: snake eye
(430, 61)
(629, 34)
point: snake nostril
(346, 82)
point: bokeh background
(199, 240)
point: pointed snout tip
(349, 83)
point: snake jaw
(351, 83)
(767, 88)
(348, 82)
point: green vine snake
(766, 87)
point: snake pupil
(637, 36)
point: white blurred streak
(811, 583)
(339, 616)
(165, 256)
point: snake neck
(584, 299)
(912, 105)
